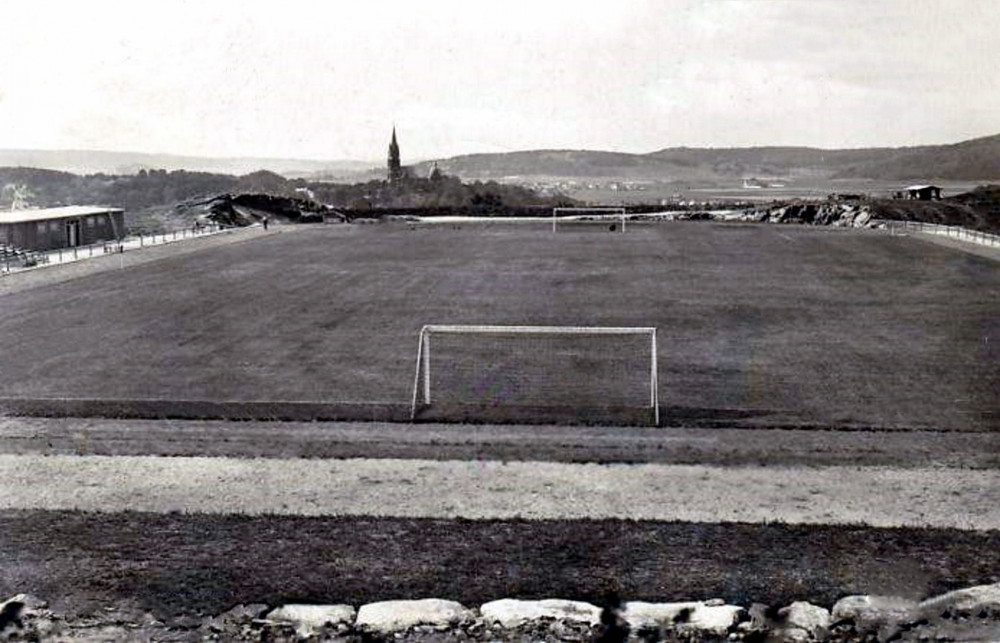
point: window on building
(53, 226)
(40, 227)
(91, 221)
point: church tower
(395, 169)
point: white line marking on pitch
(878, 496)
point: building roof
(919, 187)
(45, 214)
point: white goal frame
(583, 211)
(423, 366)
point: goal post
(537, 367)
(576, 214)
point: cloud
(327, 80)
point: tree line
(151, 188)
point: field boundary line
(399, 413)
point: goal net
(610, 219)
(537, 373)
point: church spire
(395, 169)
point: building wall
(52, 233)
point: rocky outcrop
(833, 212)
(246, 209)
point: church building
(396, 170)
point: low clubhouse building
(66, 227)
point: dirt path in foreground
(876, 496)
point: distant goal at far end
(593, 374)
(588, 215)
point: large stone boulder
(868, 612)
(802, 621)
(27, 615)
(236, 619)
(312, 620)
(510, 613)
(700, 616)
(883, 615)
(395, 616)
(971, 600)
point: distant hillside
(566, 163)
(976, 159)
(99, 161)
(973, 160)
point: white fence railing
(14, 261)
(954, 232)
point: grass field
(176, 563)
(759, 325)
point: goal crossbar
(539, 330)
(423, 362)
(575, 212)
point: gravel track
(875, 496)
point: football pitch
(760, 325)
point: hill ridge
(972, 159)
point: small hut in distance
(923, 192)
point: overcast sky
(327, 80)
